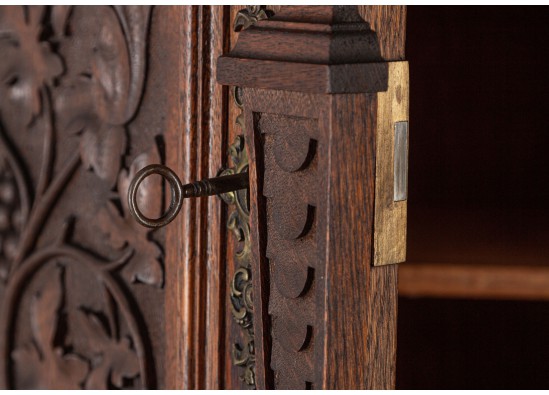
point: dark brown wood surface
(81, 110)
(337, 53)
(101, 92)
(197, 297)
(344, 336)
(92, 300)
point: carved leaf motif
(104, 85)
(99, 92)
(102, 151)
(44, 310)
(59, 18)
(27, 63)
(132, 19)
(66, 371)
(108, 63)
(150, 191)
(144, 266)
(45, 365)
(114, 359)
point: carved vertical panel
(291, 174)
(80, 281)
(311, 256)
(288, 237)
(323, 316)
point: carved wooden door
(82, 108)
(91, 299)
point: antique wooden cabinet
(292, 282)
(273, 286)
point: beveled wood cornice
(312, 49)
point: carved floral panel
(81, 284)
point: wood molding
(196, 286)
(312, 57)
(305, 337)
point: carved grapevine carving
(54, 367)
(72, 79)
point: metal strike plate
(391, 180)
(401, 161)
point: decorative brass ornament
(241, 295)
(250, 15)
(241, 283)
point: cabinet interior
(478, 221)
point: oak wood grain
(233, 330)
(454, 280)
(349, 338)
(196, 302)
(338, 53)
(354, 326)
(389, 23)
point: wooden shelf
(475, 287)
(478, 213)
(469, 281)
(477, 253)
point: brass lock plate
(391, 181)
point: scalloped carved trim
(290, 177)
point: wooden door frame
(196, 280)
